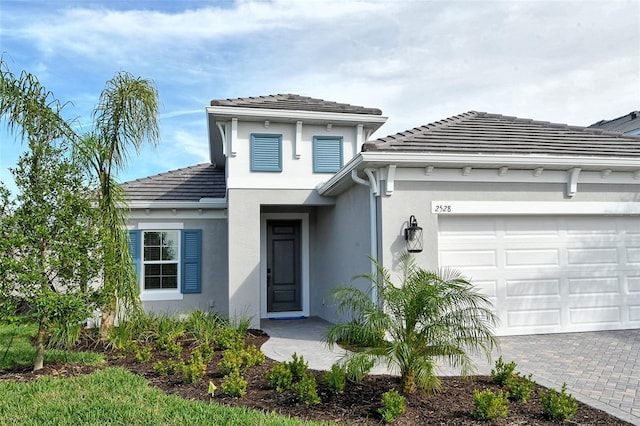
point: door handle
(268, 277)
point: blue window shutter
(266, 153)
(327, 154)
(134, 249)
(191, 261)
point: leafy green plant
(502, 372)
(232, 360)
(203, 326)
(194, 370)
(392, 406)
(143, 354)
(280, 377)
(298, 366)
(558, 406)
(307, 390)
(252, 356)
(159, 368)
(489, 405)
(336, 378)
(206, 352)
(233, 384)
(428, 315)
(228, 337)
(520, 387)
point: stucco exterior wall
(297, 170)
(245, 206)
(341, 248)
(214, 295)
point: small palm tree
(429, 315)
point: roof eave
(204, 203)
(373, 121)
(342, 179)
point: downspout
(373, 224)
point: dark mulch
(357, 405)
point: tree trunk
(106, 324)
(38, 363)
(408, 382)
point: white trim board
(446, 208)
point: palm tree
(125, 117)
(429, 315)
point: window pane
(170, 269)
(151, 282)
(152, 253)
(151, 238)
(169, 253)
(170, 238)
(169, 282)
(151, 270)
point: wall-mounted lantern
(413, 235)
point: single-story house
(544, 218)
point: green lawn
(16, 349)
(106, 397)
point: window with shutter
(327, 154)
(266, 152)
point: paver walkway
(601, 369)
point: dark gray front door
(283, 266)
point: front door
(284, 278)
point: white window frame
(148, 295)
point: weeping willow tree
(125, 118)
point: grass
(16, 349)
(116, 396)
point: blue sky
(418, 61)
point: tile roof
(295, 103)
(187, 184)
(629, 123)
(482, 133)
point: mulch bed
(357, 405)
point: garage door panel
(590, 256)
(595, 316)
(488, 288)
(550, 274)
(535, 318)
(633, 255)
(548, 257)
(519, 288)
(603, 285)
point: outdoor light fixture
(413, 235)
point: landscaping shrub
(558, 406)
(502, 372)
(489, 405)
(233, 384)
(297, 366)
(336, 378)
(194, 370)
(392, 406)
(143, 354)
(520, 387)
(307, 390)
(280, 377)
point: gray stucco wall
(341, 248)
(215, 294)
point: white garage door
(550, 274)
